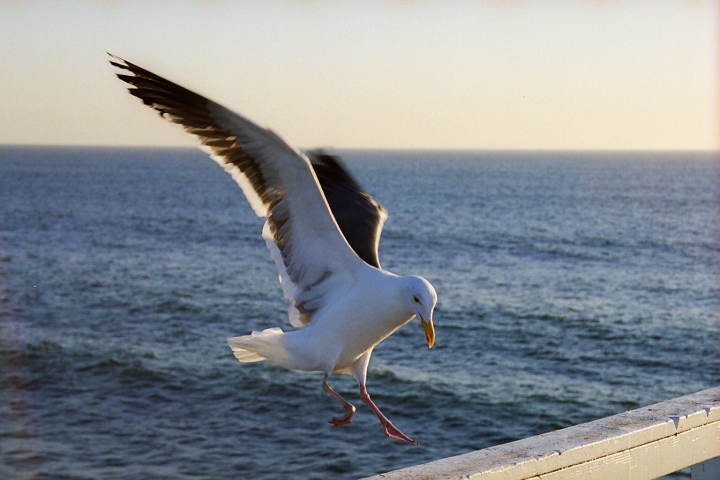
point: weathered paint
(640, 444)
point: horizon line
(379, 149)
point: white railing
(640, 444)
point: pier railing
(640, 444)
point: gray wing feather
(358, 215)
(311, 253)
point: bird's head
(420, 299)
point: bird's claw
(340, 422)
(346, 419)
(393, 432)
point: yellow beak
(429, 331)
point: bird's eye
(417, 300)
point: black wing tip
(120, 62)
(331, 164)
(126, 66)
(126, 77)
(151, 87)
(135, 70)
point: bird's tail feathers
(245, 356)
(259, 346)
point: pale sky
(611, 75)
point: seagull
(323, 232)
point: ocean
(572, 286)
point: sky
(409, 74)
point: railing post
(707, 470)
(642, 444)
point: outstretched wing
(358, 215)
(311, 254)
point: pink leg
(349, 408)
(388, 428)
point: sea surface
(572, 286)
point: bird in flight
(323, 232)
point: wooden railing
(640, 444)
